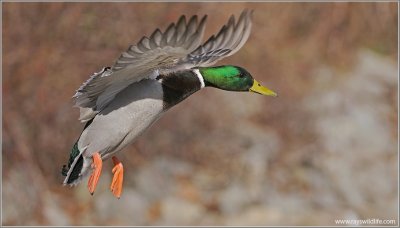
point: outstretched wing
(176, 48)
(228, 41)
(177, 41)
(161, 51)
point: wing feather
(229, 40)
(155, 39)
(180, 28)
(178, 47)
(162, 50)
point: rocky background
(324, 149)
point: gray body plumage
(129, 114)
(120, 102)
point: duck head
(232, 78)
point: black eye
(241, 75)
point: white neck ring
(201, 79)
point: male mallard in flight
(120, 102)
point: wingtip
(251, 13)
(182, 19)
(247, 12)
(203, 20)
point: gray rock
(177, 212)
(130, 209)
(53, 213)
(156, 179)
(233, 199)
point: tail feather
(75, 165)
(74, 170)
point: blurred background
(324, 149)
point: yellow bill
(258, 88)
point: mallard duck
(120, 102)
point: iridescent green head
(232, 78)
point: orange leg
(118, 171)
(94, 178)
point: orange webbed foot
(94, 177)
(116, 184)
